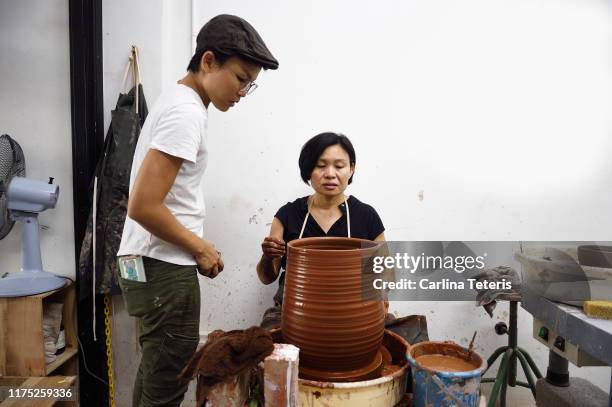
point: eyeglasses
(249, 88)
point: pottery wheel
(370, 371)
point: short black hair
(194, 64)
(312, 150)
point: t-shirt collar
(304, 204)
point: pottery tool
(598, 309)
(471, 347)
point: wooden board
(24, 337)
(48, 382)
(21, 333)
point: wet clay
(339, 333)
(445, 363)
(445, 357)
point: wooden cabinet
(22, 350)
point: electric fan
(21, 200)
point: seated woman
(327, 163)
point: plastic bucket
(437, 387)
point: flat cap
(233, 35)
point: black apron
(112, 187)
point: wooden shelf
(49, 382)
(61, 359)
(22, 350)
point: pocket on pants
(176, 350)
(137, 296)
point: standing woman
(327, 163)
(163, 245)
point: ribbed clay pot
(325, 314)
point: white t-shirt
(176, 125)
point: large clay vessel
(339, 330)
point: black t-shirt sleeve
(375, 227)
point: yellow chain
(109, 353)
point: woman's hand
(209, 260)
(273, 248)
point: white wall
(498, 112)
(161, 29)
(35, 111)
(125, 24)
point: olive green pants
(168, 306)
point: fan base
(25, 283)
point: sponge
(598, 309)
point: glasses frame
(249, 88)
